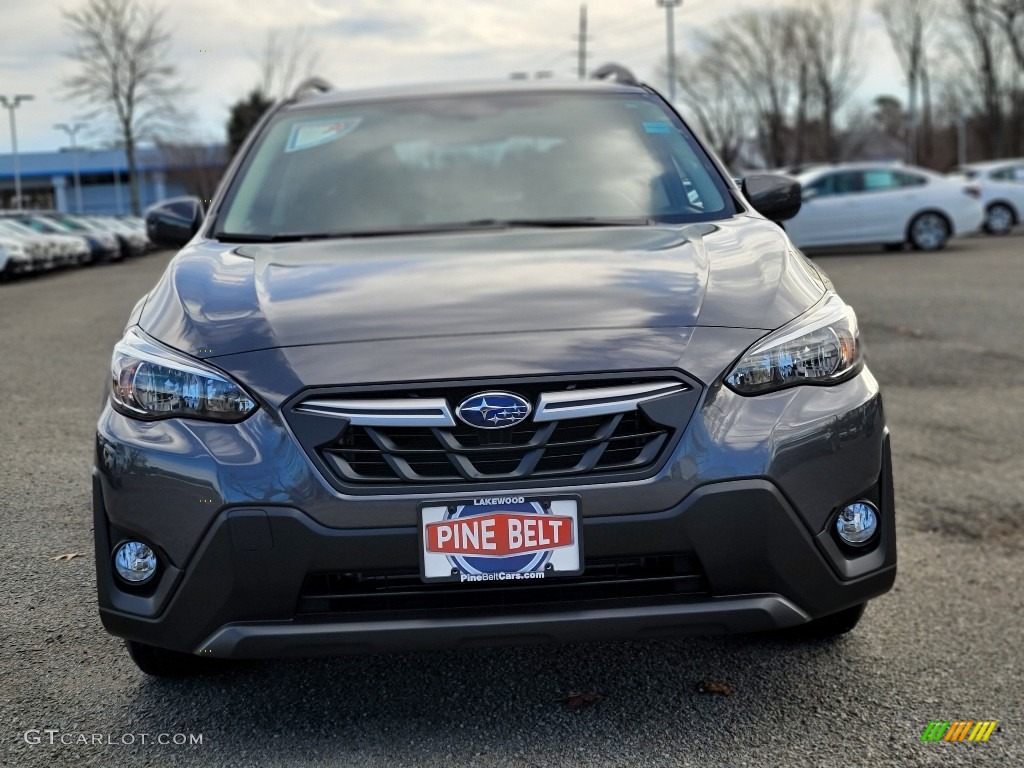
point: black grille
(604, 580)
(359, 456)
(417, 455)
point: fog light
(135, 562)
(857, 523)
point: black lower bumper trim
(742, 614)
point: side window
(1003, 174)
(821, 186)
(910, 179)
(879, 180)
(842, 183)
(847, 182)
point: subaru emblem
(493, 410)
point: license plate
(500, 539)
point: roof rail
(312, 84)
(617, 72)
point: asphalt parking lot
(943, 333)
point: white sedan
(888, 204)
(1002, 192)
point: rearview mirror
(774, 197)
(172, 223)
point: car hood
(216, 300)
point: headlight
(820, 347)
(152, 382)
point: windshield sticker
(320, 132)
(658, 127)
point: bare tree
(718, 104)
(805, 92)
(976, 38)
(755, 50)
(909, 23)
(1010, 15)
(195, 165)
(286, 59)
(122, 50)
(830, 32)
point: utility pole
(581, 66)
(670, 6)
(71, 130)
(11, 106)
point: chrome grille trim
(605, 401)
(419, 412)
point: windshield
(72, 225)
(384, 167)
(17, 228)
(49, 227)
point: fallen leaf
(68, 556)
(710, 686)
(576, 701)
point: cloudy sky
(368, 42)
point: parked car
(14, 258)
(104, 246)
(1002, 191)
(492, 363)
(73, 249)
(45, 250)
(893, 205)
(132, 241)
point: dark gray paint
(215, 300)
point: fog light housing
(857, 523)
(135, 562)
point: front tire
(999, 219)
(929, 232)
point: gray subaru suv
(483, 364)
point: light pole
(71, 130)
(670, 6)
(12, 105)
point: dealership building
(48, 178)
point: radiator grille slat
(410, 454)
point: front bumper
(237, 594)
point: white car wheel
(929, 232)
(998, 219)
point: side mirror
(810, 193)
(172, 223)
(774, 197)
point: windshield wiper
(455, 226)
